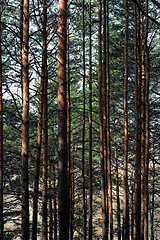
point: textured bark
(63, 195)
(1, 138)
(125, 190)
(137, 209)
(45, 125)
(100, 104)
(25, 123)
(108, 133)
(147, 132)
(83, 130)
(90, 126)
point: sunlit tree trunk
(137, 202)
(45, 125)
(63, 195)
(83, 130)
(25, 123)
(90, 126)
(1, 137)
(125, 190)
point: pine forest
(79, 119)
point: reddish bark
(63, 195)
(25, 122)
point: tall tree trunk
(105, 112)
(25, 122)
(45, 124)
(132, 212)
(1, 136)
(108, 132)
(143, 130)
(100, 104)
(63, 195)
(54, 205)
(69, 128)
(125, 190)
(147, 132)
(117, 184)
(137, 211)
(90, 126)
(83, 130)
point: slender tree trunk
(125, 190)
(1, 137)
(147, 133)
(100, 104)
(72, 206)
(117, 185)
(25, 122)
(137, 215)
(90, 126)
(83, 130)
(69, 129)
(54, 205)
(143, 130)
(63, 195)
(108, 132)
(105, 113)
(45, 124)
(152, 208)
(50, 213)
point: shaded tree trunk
(83, 130)
(45, 125)
(63, 195)
(137, 202)
(100, 106)
(1, 137)
(105, 111)
(25, 122)
(125, 190)
(147, 132)
(108, 132)
(90, 126)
